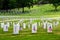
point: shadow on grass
(53, 10)
(26, 12)
(13, 12)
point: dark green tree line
(11, 4)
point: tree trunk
(23, 10)
(56, 8)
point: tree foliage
(11, 4)
(55, 3)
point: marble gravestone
(2, 24)
(55, 23)
(5, 27)
(16, 28)
(44, 25)
(49, 27)
(24, 25)
(34, 28)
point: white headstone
(39, 23)
(16, 28)
(5, 27)
(8, 24)
(49, 27)
(2, 24)
(11, 22)
(45, 25)
(29, 26)
(24, 25)
(31, 21)
(21, 20)
(55, 23)
(34, 28)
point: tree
(5, 5)
(1, 4)
(55, 3)
(11, 4)
(24, 3)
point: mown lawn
(26, 34)
(41, 10)
(46, 10)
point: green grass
(46, 10)
(41, 10)
(26, 34)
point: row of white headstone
(5, 26)
(16, 27)
(48, 25)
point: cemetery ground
(37, 10)
(26, 34)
